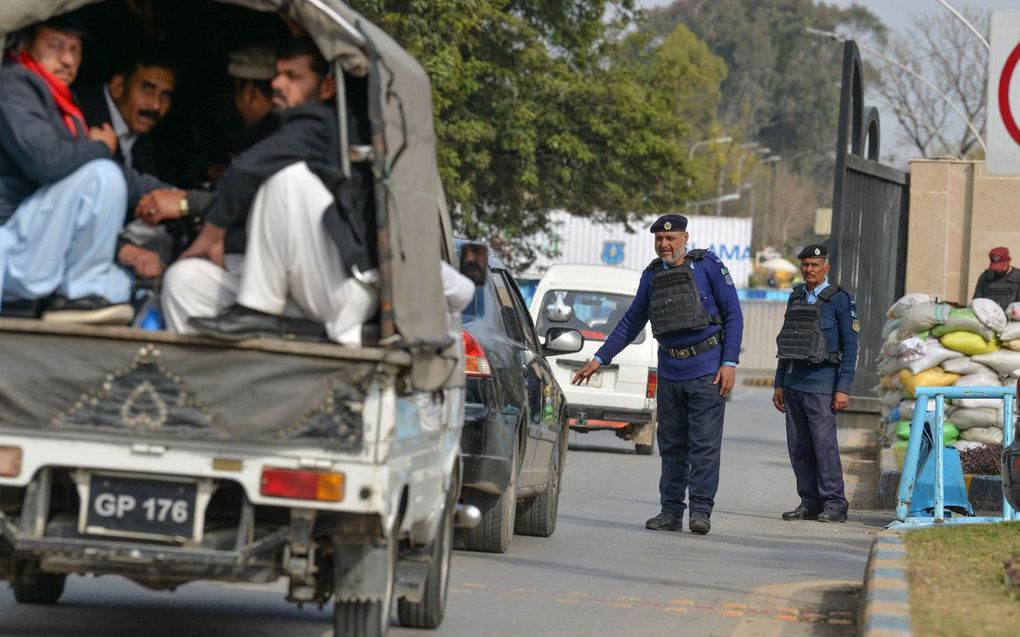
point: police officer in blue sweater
(817, 356)
(689, 297)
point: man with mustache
(134, 102)
(62, 199)
(689, 298)
(307, 240)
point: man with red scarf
(62, 198)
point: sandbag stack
(933, 344)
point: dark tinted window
(504, 296)
(594, 314)
(521, 312)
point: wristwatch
(183, 206)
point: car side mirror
(474, 262)
(559, 311)
(562, 340)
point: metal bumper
(486, 447)
(588, 418)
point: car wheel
(428, 613)
(494, 532)
(537, 516)
(34, 586)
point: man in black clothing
(292, 186)
(1001, 281)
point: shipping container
(579, 240)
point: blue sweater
(840, 326)
(719, 298)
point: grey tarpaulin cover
(76, 378)
(412, 204)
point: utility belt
(694, 350)
(833, 358)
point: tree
(545, 105)
(947, 54)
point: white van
(621, 396)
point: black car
(514, 443)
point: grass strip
(958, 583)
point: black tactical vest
(675, 305)
(802, 338)
(1001, 290)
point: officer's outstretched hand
(586, 372)
(725, 378)
(778, 400)
(840, 401)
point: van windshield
(594, 314)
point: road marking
(564, 600)
(799, 593)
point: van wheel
(34, 586)
(368, 618)
(494, 532)
(428, 613)
(537, 516)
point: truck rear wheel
(34, 586)
(368, 618)
(428, 613)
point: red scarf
(69, 110)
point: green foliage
(543, 105)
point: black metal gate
(869, 220)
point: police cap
(252, 63)
(670, 223)
(814, 251)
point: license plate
(141, 508)
(595, 380)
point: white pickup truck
(168, 458)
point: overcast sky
(897, 15)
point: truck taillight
(299, 484)
(653, 383)
(475, 362)
(10, 462)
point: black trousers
(814, 451)
(690, 443)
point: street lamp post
(772, 160)
(970, 125)
(705, 142)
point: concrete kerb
(885, 611)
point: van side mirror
(562, 340)
(474, 262)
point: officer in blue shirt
(817, 356)
(689, 297)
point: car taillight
(299, 484)
(653, 383)
(475, 362)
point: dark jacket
(841, 326)
(989, 276)
(93, 104)
(306, 133)
(36, 149)
(719, 298)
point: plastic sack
(989, 313)
(1012, 330)
(1013, 345)
(922, 317)
(986, 435)
(891, 398)
(967, 445)
(903, 429)
(977, 417)
(965, 365)
(906, 303)
(1013, 312)
(984, 379)
(934, 377)
(912, 349)
(890, 366)
(890, 328)
(934, 355)
(962, 320)
(1003, 361)
(969, 344)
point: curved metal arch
(872, 133)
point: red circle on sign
(1004, 81)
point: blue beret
(814, 251)
(670, 223)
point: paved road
(602, 573)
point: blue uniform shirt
(719, 298)
(840, 327)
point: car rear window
(594, 314)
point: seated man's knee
(105, 179)
(185, 274)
